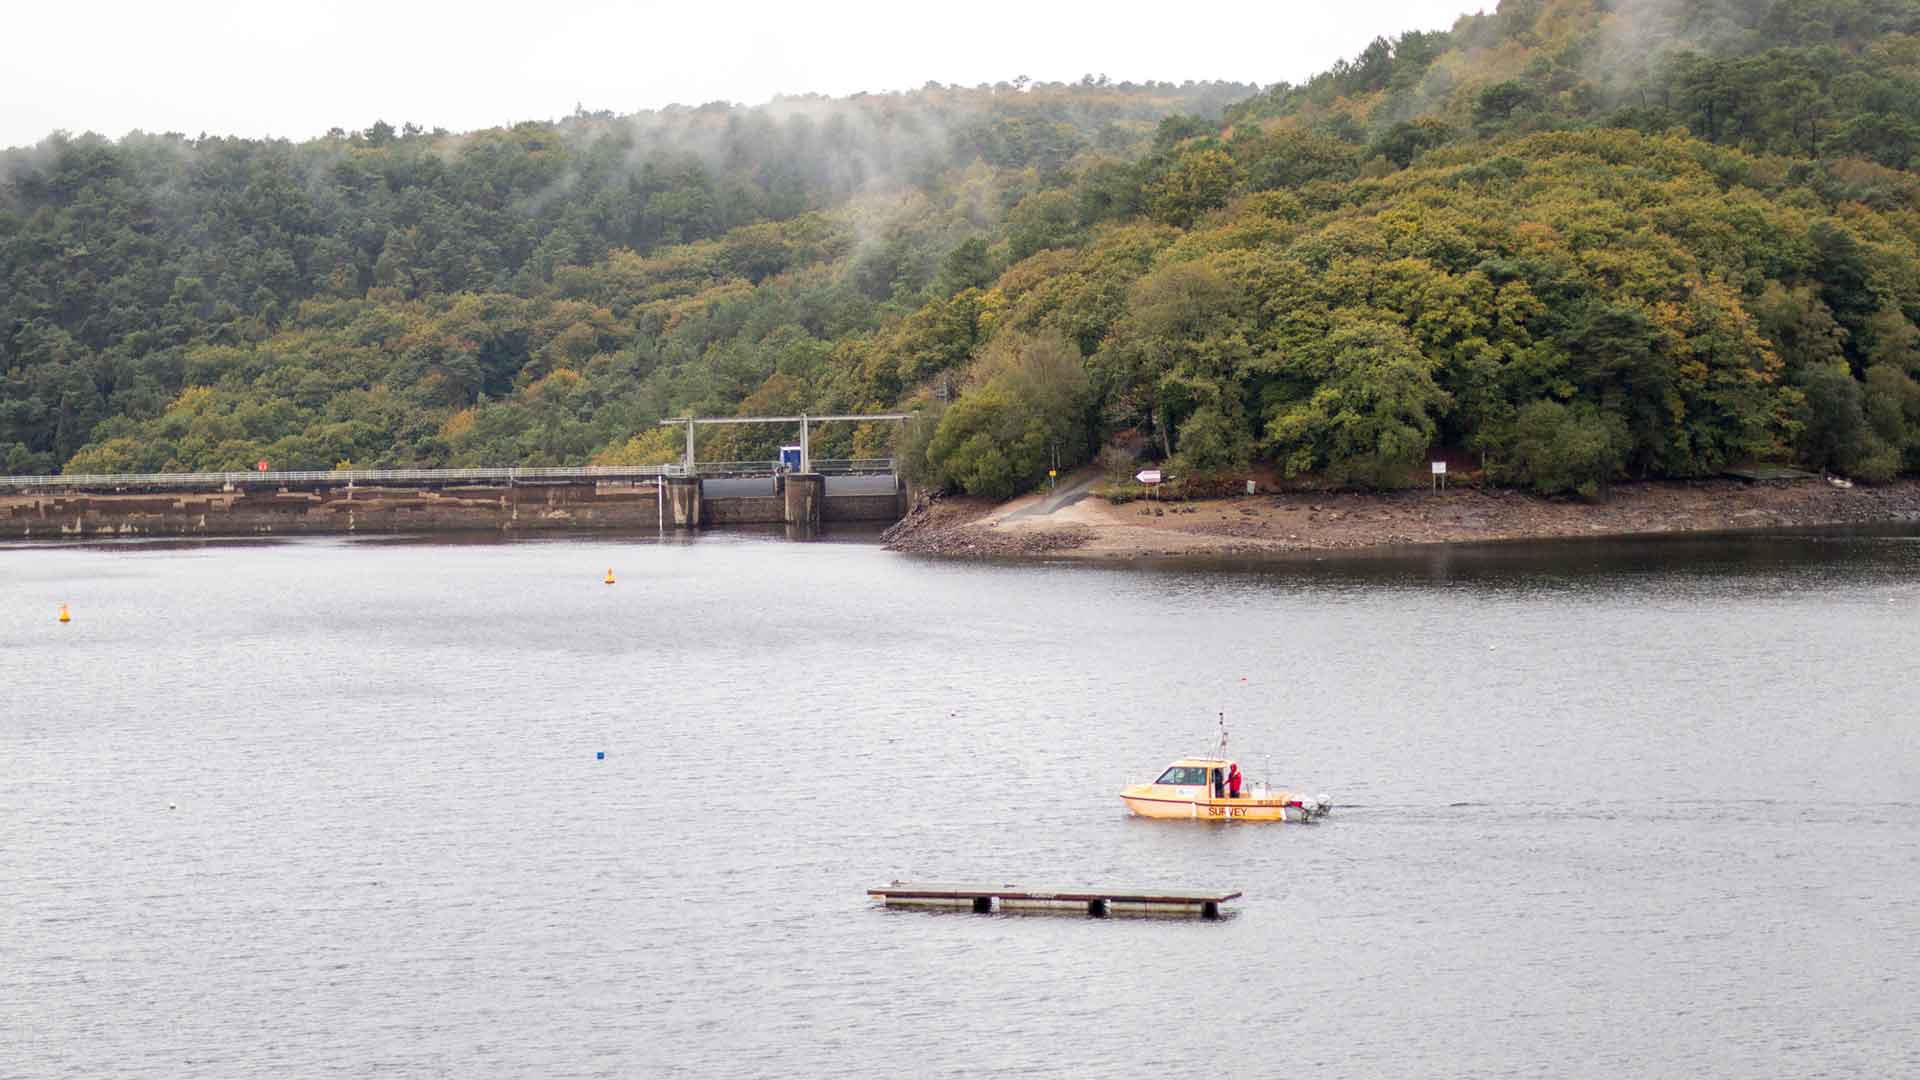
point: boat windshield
(1183, 774)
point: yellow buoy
(64, 617)
(609, 575)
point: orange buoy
(609, 575)
(64, 617)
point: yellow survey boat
(1202, 788)
(1197, 788)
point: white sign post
(1439, 475)
(1151, 478)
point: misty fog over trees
(1583, 238)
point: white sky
(261, 67)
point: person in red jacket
(1233, 780)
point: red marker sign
(263, 464)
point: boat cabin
(1207, 775)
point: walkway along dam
(449, 500)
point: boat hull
(1154, 804)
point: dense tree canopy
(409, 296)
(1582, 239)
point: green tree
(1497, 103)
(1834, 431)
(1891, 404)
(967, 266)
(1209, 439)
(1617, 350)
(1027, 408)
(1560, 448)
(1198, 182)
(1371, 419)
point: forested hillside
(1583, 238)
(400, 296)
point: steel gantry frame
(806, 453)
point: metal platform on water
(1098, 902)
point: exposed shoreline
(1280, 524)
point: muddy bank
(1278, 523)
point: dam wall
(521, 507)
(887, 508)
(401, 508)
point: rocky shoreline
(921, 533)
(1278, 524)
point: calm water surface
(332, 808)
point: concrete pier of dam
(323, 503)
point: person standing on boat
(1233, 780)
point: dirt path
(1078, 486)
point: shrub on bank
(1560, 448)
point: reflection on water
(334, 807)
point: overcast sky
(257, 67)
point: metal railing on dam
(824, 466)
(433, 477)
(277, 478)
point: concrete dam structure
(448, 500)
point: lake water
(333, 808)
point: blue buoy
(599, 755)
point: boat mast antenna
(1223, 734)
